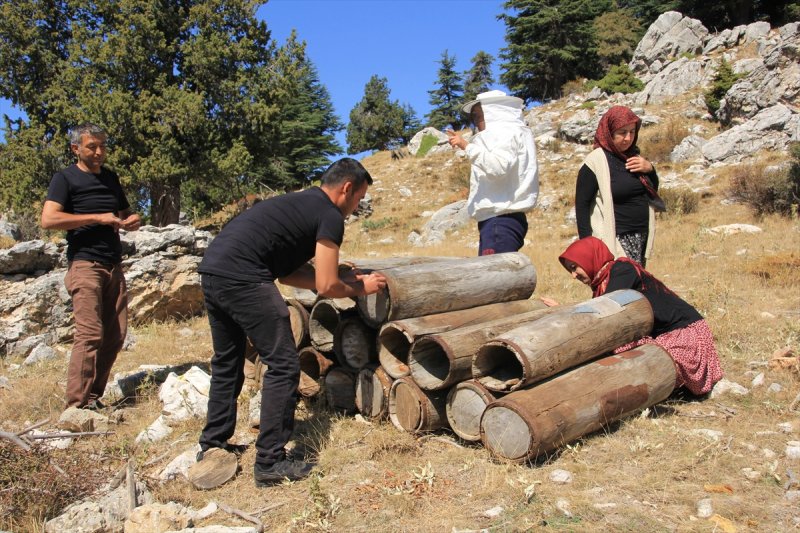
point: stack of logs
(459, 343)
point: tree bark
(325, 317)
(537, 420)
(439, 360)
(428, 288)
(574, 335)
(396, 337)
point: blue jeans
(503, 233)
(238, 310)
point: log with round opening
(354, 343)
(497, 367)
(430, 363)
(393, 348)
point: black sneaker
(95, 405)
(282, 470)
(236, 449)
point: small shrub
(764, 191)
(428, 141)
(657, 142)
(372, 225)
(589, 104)
(620, 79)
(680, 201)
(723, 80)
(33, 490)
(574, 87)
(6, 242)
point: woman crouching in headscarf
(677, 326)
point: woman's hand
(549, 302)
(638, 165)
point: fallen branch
(268, 508)
(15, 439)
(38, 424)
(440, 439)
(241, 514)
(67, 435)
(131, 480)
(157, 459)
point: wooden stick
(38, 424)
(118, 477)
(15, 439)
(268, 508)
(157, 459)
(68, 435)
(131, 480)
(241, 514)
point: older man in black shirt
(87, 201)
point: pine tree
(549, 42)
(479, 78)
(305, 136)
(376, 123)
(616, 34)
(411, 123)
(183, 88)
(447, 98)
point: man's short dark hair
(87, 128)
(346, 169)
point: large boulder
(674, 79)
(441, 141)
(670, 36)
(770, 129)
(29, 257)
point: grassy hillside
(646, 473)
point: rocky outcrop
(670, 36)
(771, 129)
(161, 273)
(677, 77)
(773, 80)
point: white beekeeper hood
(493, 97)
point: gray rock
(99, 514)
(704, 508)
(756, 30)
(675, 79)
(448, 218)
(724, 386)
(441, 139)
(40, 353)
(8, 229)
(670, 36)
(28, 257)
(75, 419)
(689, 149)
(732, 229)
(560, 476)
(771, 129)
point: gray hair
(93, 130)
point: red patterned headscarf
(615, 118)
(594, 257)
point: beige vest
(602, 210)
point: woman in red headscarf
(677, 326)
(614, 186)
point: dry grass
(646, 473)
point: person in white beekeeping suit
(504, 180)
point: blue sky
(402, 40)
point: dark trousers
(503, 233)
(100, 307)
(238, 310)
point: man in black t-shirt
(272, 240)
(87, 201)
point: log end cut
(505, 433)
